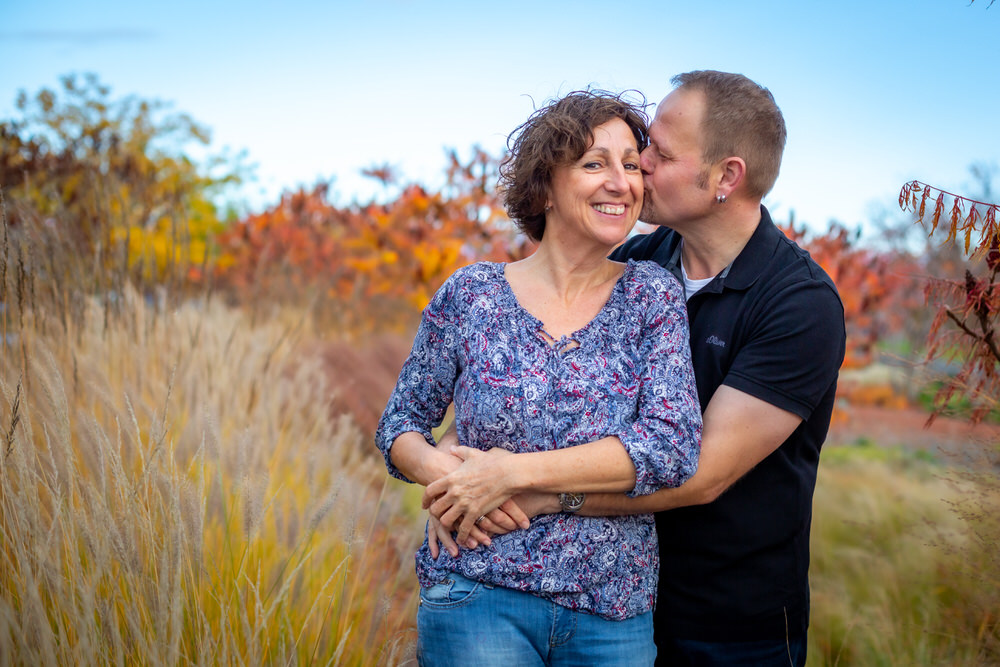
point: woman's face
(597, 198)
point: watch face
(571, 502)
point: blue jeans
(464, 622)
(766, 653)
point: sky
(874, 93)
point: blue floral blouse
(627, 373)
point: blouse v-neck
(563, 342)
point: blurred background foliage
(113, 178)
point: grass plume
(905, 567)
(153, 513)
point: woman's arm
(424, 463)
(740, 432)
(422, 393)
(658, 449)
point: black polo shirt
(770, 325)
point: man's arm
(487, 479)
(420, 461)
(740, 431)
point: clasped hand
(478, 489)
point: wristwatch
(571, 502)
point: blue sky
(874, 92)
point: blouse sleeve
(426, 382)
(665, 439)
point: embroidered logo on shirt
(715, 340)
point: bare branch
(986, 338)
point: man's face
(675, 179)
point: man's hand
(506, 518)
(485, 480)
(497, 522)
(438, 536)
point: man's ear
(731, 174)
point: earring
(720, 198)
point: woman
(573, 374)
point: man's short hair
(741, 120)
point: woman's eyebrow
(607, 152)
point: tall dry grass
(173, 490)
(905, 561)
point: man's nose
(645, 160)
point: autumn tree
(966, 326)
(874, 286)
(966, 333)
(369, 266)
(105, 183)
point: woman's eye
(632, 166)
(592, 165)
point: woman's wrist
(552, 505)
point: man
(767, 339)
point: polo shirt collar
(743, 271)
(749, 264)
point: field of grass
(184, 480)
(905, 566)
(174, 490)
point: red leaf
(923, 202)
(904, 195)
(993, 255)
(938, 211)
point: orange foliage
(880, 394)
(875, 287)
(373, 266)
(965, 217)
(105, 183)
(970, 307)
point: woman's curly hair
(556, 135)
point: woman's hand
(504, 519)
(470, 495)
(517, 512)
(438, 535)
(524, 506)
